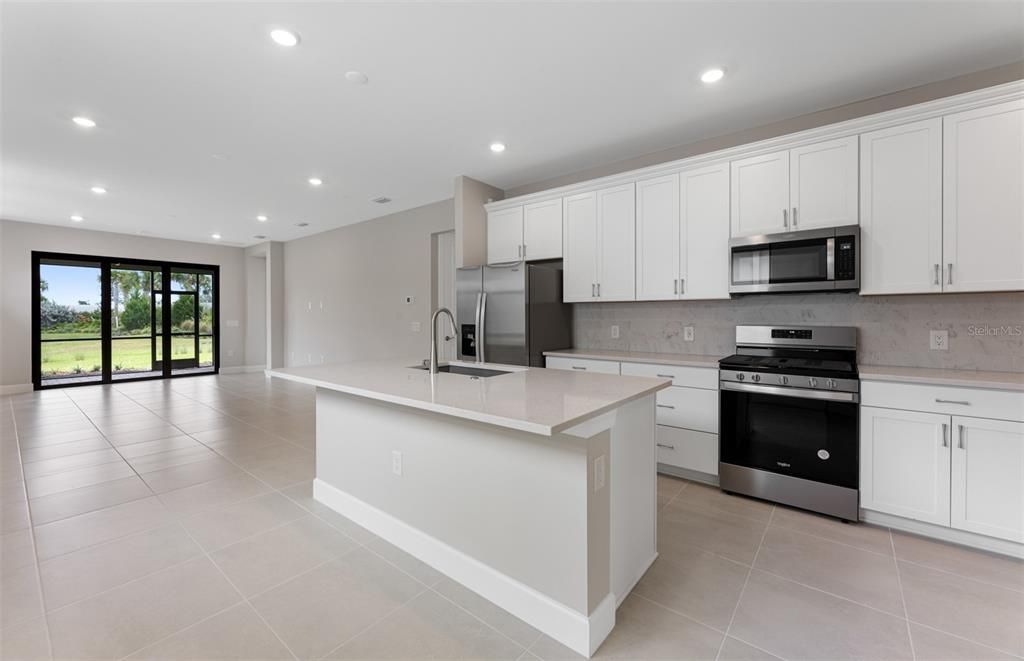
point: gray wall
(893, 329)
(930, 92)
(18, 240)
(361, 275)
(256, 310)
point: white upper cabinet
(803, 188)
(823, 184)
(901, 209)
(983, 199)
(579, 231)
(988, 477)
(505, 235)
(760, 194)
(616, 233)
(704, 232)
(904, 463)
(542, 230)
(657, 238)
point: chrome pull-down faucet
(433, 335)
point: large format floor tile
(67, 535)
(237, 633)
(218, 527)
(87, 499)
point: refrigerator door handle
(481, 337)
(476, 325)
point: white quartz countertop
(944, 377)
(682, 359)
(535, 400)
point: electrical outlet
(415, 327)
(615, 332)
(409, 300)
(599, 473)
(396, 462)
(309, 306)
(688, 333)
(938, 340)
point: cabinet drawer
(693, 377)
(689, 408)
(582, 365)
(976, 403)
(685, 448)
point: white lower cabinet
(957, 471)
(904, 464)
(685, 448)
(582, 365)
(988, 477)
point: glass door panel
(70, 333)
(133, 326)
(206, 319)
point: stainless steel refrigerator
(511, 313)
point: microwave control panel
(846, 258)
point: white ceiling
(204, 122)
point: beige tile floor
(174, 519)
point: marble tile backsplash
(986, 331)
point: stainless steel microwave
(808, 260)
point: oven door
(807, 434)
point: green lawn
(128, 355)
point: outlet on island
(688, 334)
(615, 332)
(939, 340)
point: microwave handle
(830, 259)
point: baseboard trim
(576, 631)
(688, 474)
(242, 369)
(961, 537)
(15, 389)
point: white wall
(256, 310)
(361, 274)
(18, 240)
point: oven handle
(831, 395)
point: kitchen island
(534, 488)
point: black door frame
(106, 332)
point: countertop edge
(986, 380)
(711, 362)
(498, 421)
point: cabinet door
(542, 230)
(904, 463)
(823, 184)
(983, 198)
(657, 238)
(901, 209)
(579, 232)
(504, 235)
(760, 194)
(616, 241)
(988, 477)
(582, 365)
(704, 232)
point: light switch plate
(615, 332)
(688, 333)
(599, 473)
(939, 340)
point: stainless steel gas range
(789, 413)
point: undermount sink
(466, 371)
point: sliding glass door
(101, 319)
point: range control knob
(812, 382)
(756, 378)
(784, 380)
(739, 377)
(832, 383)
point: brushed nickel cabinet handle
(945, 435)
(664, 406)
(524, 251)
(682, 285)
(599, 290)
(960, 432)
(952, 401)
(949, 273)
(785, 218)
(937, 275)
(675, 286)
(577, 367)
(794, 217)
(667, 447)
(666, 376)
(593, 290)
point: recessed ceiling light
(497, 147)
(99, 190)
(315, 181)
(285, 38)
(712, 75)
(76, 218)
(215, 236)
(261, 218)
(84, 122)
(356, 77)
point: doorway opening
(104, 319)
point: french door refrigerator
(511, 313)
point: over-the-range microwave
(807, 260)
